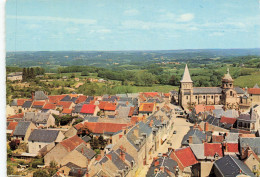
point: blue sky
(43, 25)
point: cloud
(131, 12)
(216, 34)
(168, 16)
(54, 19)
(186, 17)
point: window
(231, 93)
(219, 97)
(204, 97)
(196, 97)
(230, 85)
(211, 97)
(40, 146)
(187, 97)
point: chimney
(109, 156)
(190, 140)
(206, 127)
(151, 123)
(156, 163)
(122, 155)
(157, 108)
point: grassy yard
(249, 80)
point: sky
(50, 25)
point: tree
(13, 145)
(24, 75)
(41, 173)
(10, 170)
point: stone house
(251, 160)
(71, 150)
(40, 119)
(23, 130)
(254, 94)
(39, 138)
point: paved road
(181, 127)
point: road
(181, 127)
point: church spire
(186, 75)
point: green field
(249, 80)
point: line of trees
(31, 73)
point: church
(226, 94)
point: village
(206, 131)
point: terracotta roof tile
(20, 102)
(217, 138)
(88, 109)
(254, 91)
(64, 104)
(247, 135)
(66, 111)
(81, 99)
(228, 120)
(210, 149)
(55, 98)
(209, 107)
(110, 107)
(146, 107)
(49, 106)
(131, 111)
(200, 108)
(12, 125)
(232, 147)
(184, 156)
(20, 115)
(38, 103)
(102, 104)
(150, 94)
(71, 143)
(101, 127)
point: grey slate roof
(228, 113)
(239, 90)
(44, 135)
(166, 162)
(78, 107)
(21, 128)
(229, 166)
(256, 86)
(198, 150)
(91, 118)
(86, 138)
(244, 117)
(39, 95)
(197, 137)
(207, 90)
(123, 112)
(232, 137)
(14, 102)
(117, 161)
(128, 157)
(142, 128)
(89, 98)
(66, 98)
(40, 118)
(254, 143)
(88, 153)
(27, 104)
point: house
(11, 127)
(253, 143)
(254, 94)
(115, 163)
(231, 166)
(207, 151)
(185, 160)
(40, 119)
(110, 108)
(252, 161)
(162, 166)
(65, 105)
(23, 130)
(66, 169)
(71, 150)
(38, 105)
(89, 110)
(27, 105)
(39, 138)
(49, 106)
(17, 104)
(247, 122)
(194, 136)
(146, 108)
(16, 117)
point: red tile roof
(38, 103)
(49, 106)
(110, 107)
(247, 135)
(209, 107)
(12, 125)
(101, 127)
(20, 115)
(232, 147)
(102, 104)
(20, 102)
(71, 143)
(184, 157)
(210, 149)
(199, 108)
(81, 99)
(66, 111)
(131, 111)
(166, 95)
(228, 120)
(217, 138)
(150, 94)
(88, 109)
(64, 104)
(134, 120)
(55, 98)
(146, 107)
(254, 91)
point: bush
(13, 145)
(10, 170)
(40, 173)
